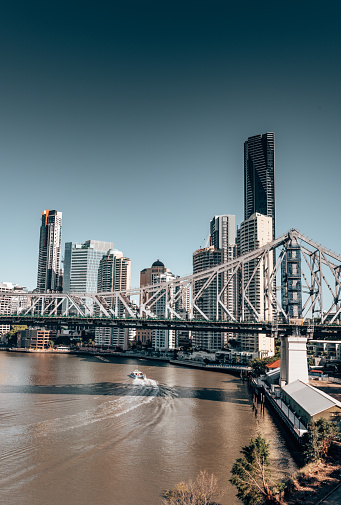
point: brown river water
(77, 430)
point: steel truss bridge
(177, 303)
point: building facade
(163, 340)
(114, 274)
(223, 238)
(204, 259)
(253, 233)
(81, 263)
(147, 278)
(8, 304)
(259, 177)
(49, 275)
(37, 338)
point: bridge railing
(249, 287)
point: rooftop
(311, 399)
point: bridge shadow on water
(121, 389)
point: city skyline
(131, 121)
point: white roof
(274, 371)
(311, 399)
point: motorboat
(136, 374)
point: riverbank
(224, 368)
(231, 369)
(40, 351)
(315, 482)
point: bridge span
(202, 301)
(321, 331)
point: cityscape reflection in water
(78, 430)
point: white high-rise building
(49, 277)
(223, 237)
(114, 274)
(163, 339)
(207, 304)
(252, 234)
(10, 304)
(221, 250)
(147, 277)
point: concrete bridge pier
(294, 363)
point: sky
(130, 118)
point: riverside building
(147, 277)
(114, 274)
(8, 304)
(221, 250)
(252, 234)
(223, 237)
(81, 263)
(49, 276)
(163, 339)
(204, 259)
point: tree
(62, 340)
(318, 439)
(12, 334)
(202, 491)
(258, 365)
(251, 474)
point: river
(77, 430)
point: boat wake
(140, 379)
(145, 383)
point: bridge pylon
(294, 364)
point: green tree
(318, 439)
(11, 335)
(258, 365)
(251, 474)
(202, 491)
(62, 340)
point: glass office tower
(259, 177)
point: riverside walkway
(292, 422)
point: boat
(136, 374)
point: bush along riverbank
(251, 474)
(321, 452)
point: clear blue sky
(130, 118)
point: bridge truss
(252, 281)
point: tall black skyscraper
(259, 176)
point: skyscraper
(259, 177)
(163, 339)
(147, 277)
(114, 274)
(204, 259)
(223, 237)
(253, 233)
(48, 279)
(81, 262)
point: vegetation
(251, 474)
(258, 364)
(252, 477)
(12, 334)
(203, 491)
(62, 340)
(318, 440)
